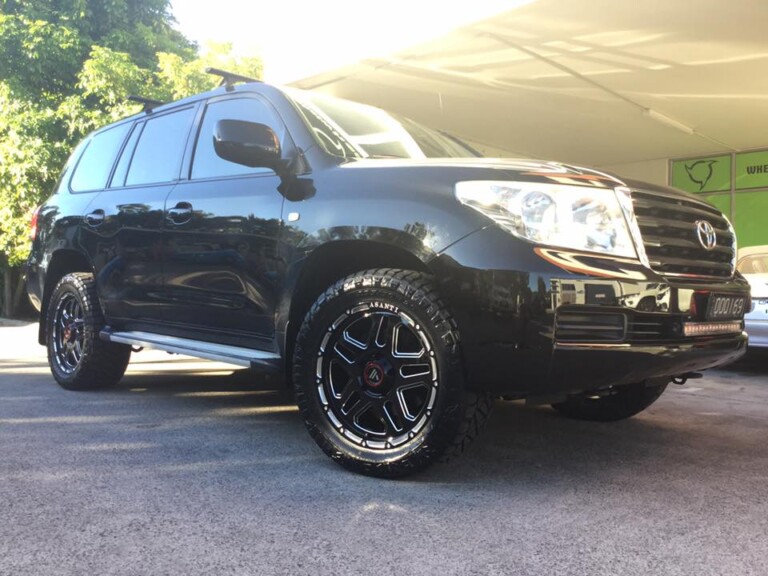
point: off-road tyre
(616, 404)
(79, 360)
(378, 375)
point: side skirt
(257, 360)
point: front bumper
(583, 367)
(544, 322)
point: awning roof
(598, 82)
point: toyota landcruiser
(397, 279)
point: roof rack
(148, 103)
(229, 79)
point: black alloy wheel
(68, 334)
(79, 360)
(378, 376)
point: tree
(140, 28)
(68, 67)
(32, 151)
(40, 59)
(179, 77)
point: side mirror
(247, 143)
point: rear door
(222, 271)
(123, 228)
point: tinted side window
(206, 163)
(118, 178)
(160, 148)
(95, 164)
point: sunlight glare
(301, 38)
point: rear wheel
(378, 376)
(613, 404)
(79, 360)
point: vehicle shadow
(755, 361)
(222, 419)
(534, 444)
(520, 445)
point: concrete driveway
(189, 467)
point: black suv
(396, 278)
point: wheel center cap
(373, 374)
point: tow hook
(680, 380)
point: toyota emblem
(706, 233)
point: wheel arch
(325, 265)
(63, 262)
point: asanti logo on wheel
(373, 374)
(385, 306)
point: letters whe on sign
(752, 170)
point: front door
(222, 270)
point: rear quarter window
(95, 163)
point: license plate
(726, 307)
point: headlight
(575, 217)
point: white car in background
(753, 264)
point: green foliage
(39, 59)
(31, 154)
(139, 27)
(67, 69)
(178, 77)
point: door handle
(180, 213)
(95, 218)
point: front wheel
(378, 375)
(613, 404)
(78, 359)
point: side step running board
(256, 359)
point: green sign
(752, 170)
(750, 228)
(721, 201)
(709, 174)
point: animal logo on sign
(700, 172)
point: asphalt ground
(189, 467)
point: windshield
(351, 130)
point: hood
(555, 172)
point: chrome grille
(668, 226)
